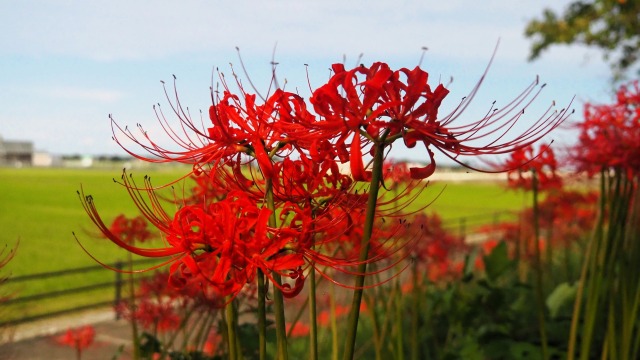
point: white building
(16, 153)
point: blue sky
(66, 65)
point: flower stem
(399, 323)
(588, 274)
(334, 322)
(281, 329)
(415, 313)
(262, 317)
(538, 268)
(278, 299)
(231, 330)
(352, 324)
(313, 334)
(132, 304)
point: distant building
(16, 153)
(45, 159)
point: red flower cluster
(298, 329)
(79, 338)
(154, 310)
(524, 161)
(324, 316)
(130, 230)
(610, 134)
(270, 195)
(374, 105)
(166, 312)
(435, 249)
(565, 216)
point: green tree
(610, 25)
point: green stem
(262, 316)
(375, 325)
(168, 342)
(634, 282)
(538, 266)
(354, 314)
(203, 335)
(567, 262)
(415, 313)
(281, 329)
(187, 331)
(334, 322)
(231, 330)
(549, 249)
(589, 263)
(622, 264)
(278, 299)
(132, 304)
(399, 320)
(313, 333)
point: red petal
(357, 167)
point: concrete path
(36, 340)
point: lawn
(40, 208)
(473, 201)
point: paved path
(35, 341)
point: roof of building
(15, 147)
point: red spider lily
(298, 329)
(396, 171)
(609, 134)
(79, 338)
(195, 294)
(226, 230)
(564, 217)
(525, 160)
(159, 316)
(373, 102)
(215, 182)
(317, 201)
(166, 313)
(434, 249)
(208, 189)
(568, 215)
(156, 286)
(304, 181)
(337, 247)
(222, 244)
(325, 315)
(382, 105)
(211, 345)
(130, 230)
(239, 125)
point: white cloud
(121, 29)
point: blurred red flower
(525, 160)
(610, 134)
(78, 338)
(130, 230)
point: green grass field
(40, 208)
